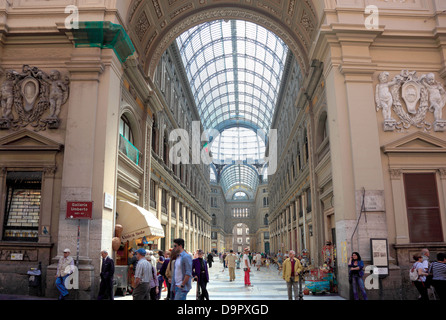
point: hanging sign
(79, 210)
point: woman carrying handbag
(420, 282)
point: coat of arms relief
(420, 95)
(26, 96)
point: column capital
(395, 174)
(85, 65)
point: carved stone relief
(419, 94)
(26, 96)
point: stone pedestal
(439, 125)
(83, 282)
(389, 125)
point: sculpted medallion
(25, 98)
(420, 96)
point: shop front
(136, 228)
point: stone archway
(154, 25)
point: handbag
(413, 274)
(429, 277)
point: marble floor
(267, 285)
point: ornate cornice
(154, 25)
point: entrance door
(266, 247)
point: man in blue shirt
(182, 272)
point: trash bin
(35, 281)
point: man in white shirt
(143, 276)
(246, 267)
(65, 267)
(258, 260)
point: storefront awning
(137, 222)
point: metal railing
(129, 150)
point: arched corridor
(296, 120)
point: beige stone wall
(407, 37)
(362, 156)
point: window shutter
(423, 210)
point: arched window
(292, 168)
(154, 135)
(240, 196)
(325, 132)
(166, 149)
(127, 140)
(306, 146)
(322, 128)
(265, 201)
(299, 158)
(125, 129)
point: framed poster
(380, 254)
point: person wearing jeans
(356, 273)
(291, 270)
(182, 272)
(65, 268)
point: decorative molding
(442, 172)
(297, 47)
(307, 23)
(395, 174)
(133, 8)
(26, 96)
(50, 171)
(142, 26)
(419, 94)
(158, 10)
(418, 142)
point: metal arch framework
(238, 144)
(213, 173)
(218, 63)
(216, 59)
(239, 175)
(237, 196)
(235, 77)
(245, 83)
(244, 116)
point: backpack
(413, 274)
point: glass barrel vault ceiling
(238, 175)
(237, 144)
(235, 70)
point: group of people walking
(431, 275)
(66, 267)
(176, 269)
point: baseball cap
(141, 251)
(67, 250)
